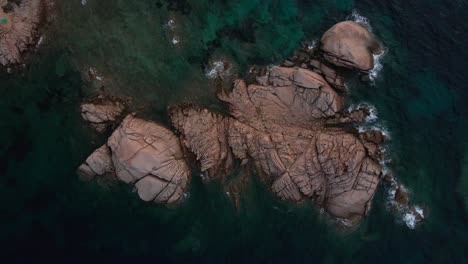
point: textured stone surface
(20, 32)
(149, 155)
(283, 96)
(204, 133)
(98, 163)
(351, 45)
(279, 124)
(102, 113)
(143, 154)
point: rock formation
(351, 45)
(289, 122)
(101, 113)
(146, 155)
(19, 25)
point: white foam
(94, 73)
(84, 2)
(185, 197)
(312, 45)
(171, 24)
(204, 177)
(410, 219)
(372, 117)
(175, 40)
(356, 17)
(39, 43)
(410, 215)
(378, 66)
(217, 69)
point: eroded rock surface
(279, 124)
(102, 113)
(205, 134)
(146, 155)
(351, 45)
(20, 21)
(98, 163)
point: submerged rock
(350, 45)
(19, 25)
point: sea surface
(161, 53)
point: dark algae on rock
(244, 161)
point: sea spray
(378, 66)
(358, 18)
(372, 117)
(221, 67)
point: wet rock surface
(19, 26)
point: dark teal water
(46, 213)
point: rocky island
(20, 21)
(289, 121)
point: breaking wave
(378, 66)
(217, 68)
(372, 117)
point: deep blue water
(48, 214)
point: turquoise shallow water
(48, 214)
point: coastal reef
(288, 121)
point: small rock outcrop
(102, 113)
(19, 24)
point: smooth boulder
(350, 45)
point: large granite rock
(283, 96)
(280, 125)
(20, 21)
(146, 155)
(351, 45)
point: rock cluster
(289, 122)
(19, 25)
(345, 48)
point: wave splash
(358, 18)
(218, 68)
(378, 66)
